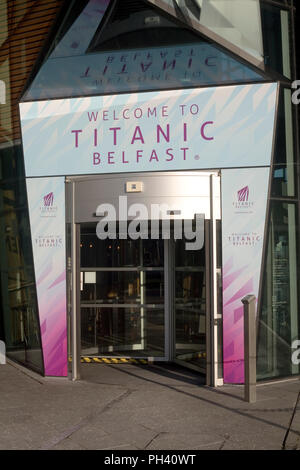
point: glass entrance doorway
(131, 289)
(146, 297)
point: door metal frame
(75, 292)
(213, 378)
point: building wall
(25, 26)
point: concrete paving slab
(128, 407)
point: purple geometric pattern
(233, 327)
(243, 194)
(50, 270)
(241, 261)
(48, 200)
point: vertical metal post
(169, 281)
(75, 318)
(143, 301)
(215, 380)
(209, 319)
(250, 348)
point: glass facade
(276, 32)
(284, 165)
(236, 22)
(23, 29)
(279, 319)
(127, 49)
(278, 323)
(20, 322)
(130, 49)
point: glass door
(123, 289)
(190, 305)
(121, 295)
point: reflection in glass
(20, 323)
(119, 287)
(275, 22)
(24, 27)
(110, 287)
(128, 280)
(283, 183)
(107, 253)
(140, 48)
(238, 22)
(122, 331)
(279, 317)
(190, 305)
(118, 253)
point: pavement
(132, 407)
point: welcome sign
(202, 128)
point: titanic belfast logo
(242, 202)
(48, 200)
(243, 194)
(47, 209)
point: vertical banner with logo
(244, 202)
(46, 201)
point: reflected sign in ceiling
(137, 69)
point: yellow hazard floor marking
(111, 360)
(125, 360)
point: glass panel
(134, 49)
(236, 21)
(275, 23)
(279, 317)
(120, 287)
(24, 25)
(122, 332)
(190, 305)
(19, 306)
(126, 272)
(188, 258)
(115, 253)
(110, 330)
(108, 253)
(153, 253)
(284, 161)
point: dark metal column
(250, 348)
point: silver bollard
(250, 348)
(2, 353)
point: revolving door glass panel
(190, 305)
(122, 296)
